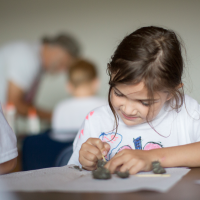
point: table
(185, 189)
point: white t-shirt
(19, 63)
(169, 129)
(70, 114)
(8, 141)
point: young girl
(148, 106)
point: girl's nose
(130, 108)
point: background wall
(99, 26)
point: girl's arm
(8, 166)
(185, 155)
(141, 160)
(16, 96)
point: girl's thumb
(106, 146)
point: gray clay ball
(101, 173)
(160, 170)
(101, 163)
(157, 169)
(122, 174)
(77, 167)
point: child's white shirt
(69, 115)
(171, 129)
(8, 141)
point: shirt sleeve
(8, 141)
(83, 134)
(23, 67)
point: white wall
(99, 26)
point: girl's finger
(92, 149)
(136, 168)
(115, 156)
(90, 156)
(123, 152)
(106, 148)
(109, 162)
(98, 144)
(87, 163)
(89, 168)
(128, 165)
(114, 163)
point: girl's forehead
(136, 89)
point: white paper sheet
(68, 179)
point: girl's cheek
(112, 99)
(145, 112)
(116, 101)
(154, 111)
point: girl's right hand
(91, 151)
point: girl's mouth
(129, 117)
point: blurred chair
(64, 157)
(40, 151)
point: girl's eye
(117, 94)
(145, 104)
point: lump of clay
(122, 174)
(77, 167)
(157, 169)
(101, 173)
(101, 163)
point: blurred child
(68, 115)
(8, 146)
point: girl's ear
(178, 87)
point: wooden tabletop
(185, 189)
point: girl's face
(131, 103)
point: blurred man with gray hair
(22, 64)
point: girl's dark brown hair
(152, 55)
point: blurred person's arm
(8, 166)
(16, 95)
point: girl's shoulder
(190, 102)
(190, 106)
(100, 113)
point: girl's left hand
(131, 160)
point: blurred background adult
(22, 65)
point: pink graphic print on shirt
(124, 147)
(90, 114)
(113, 140)
(152, 145)
(81, 133)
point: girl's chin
(132, 122)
